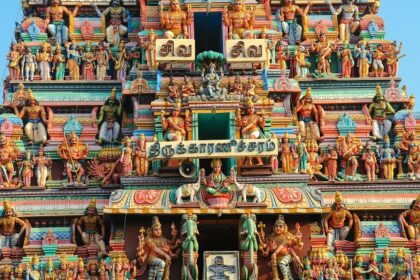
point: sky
(399, 19)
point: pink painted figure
(126, 157)
(26, 169)
(331, 157)
(370, 162)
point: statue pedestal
(189, 204)
(6, 253)
(92, 251)
(117, 245)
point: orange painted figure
(369, 158)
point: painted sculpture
(8, 155)
(409, 220)
(189, 233)
(288, 18)
(108, 119)
(11, 226)
(379, 110)
(239, 21)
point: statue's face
(417, 205)
(157, 232)
(8, 213)
(251, 109)
(175, 112)
(116, 3)
(340, 205)
(287, 2)
(217, 168)
(35, 266)
(349, 139)
(90, 211)
(330, 148)
(14, 47)
(55, 2)
(279, 228)
(368, 148)
(58, 50)
(386, 145)
(32, 101)
(100, 47)
(379, 48)
(238, 6)
(186, 80)
(349, 1)
(175, 5)
(323, 38)
(237, 80)
(40, 152)
(93, 270)
(111, 102)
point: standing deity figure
(173, 92)
(349, 149)
(13, 57)
(251, 126)
(282, 56)
(175, 127)
(92, 228)
(20, 96)
(363, 56)
(149, 46)
(102, 60)
(121, 61)
(44, 59)
(42, 164)
(359, 273)
(19, 272)
(236, 88)
(82, 273)
(33, 270)
(349, 21)
(108, 118)
(189, 246)
(175, 22)
(11, 227)
(29, 65)
(378, 58)
(187, 89)
(118, 15)
(409, 220)
(270, 47)
(249, 90)
(323, 49)
(54, 18)
(72, 150)
(301, 63)
(8, 154)
(331, 157)
(386, 268)
(158, 252)
(286, 154)
(413, 161)
(308, 117)
(127, 157)
(59, 64)
(288, 18)
(249, 245)
(369, 158)
(378, 111)
(392, 59)
(339, 222)
(415, 275)
(281, 244)
(347, 61)
(402, 268)
(49, 273)
(239, 21)
(140, 156)
(73, 61)
(302, 155)
(88, 60)
(36, 118)
(211, 87)
(26, 169)
(388, 159)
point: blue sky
(399, 18)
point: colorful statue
(301, 63)
(349, 21)
(102, 60)
(378, 111)
(175, 22)
(149, 47)
(28, 65)
(20, 96)
(11, 227)
(33, 270)
(6, 272)
(331, 157)
(139, 85)
(349, 149)
(331, 272)
(59, 64)
(245, 190)
(378, 58)
(44, 59)
(118, 15)
(408, 138)
(211, 88)
(249, 246)
(238, 21)
(54, 17)
(189, 233)
(282, 56)
(88, 60)
(415, 275)
(36, 118)
(121, 61)
(392, 59)
(358, 271)
(323, 49)
(8, 154)
(308, 117)
(338, 223)
(92, 228)
(369, 157)
(73, 151)
(288, 20)
(216, 182)
(286, 154)
(302, 155)
(73, 61)
(281, 244)
(42, 163)
(347, 61)
(308, 273)
(175, 127)
(401, 267)
(82, 273)
(49, 273)
(108, 118)
(14, 57)
(140, 157)
(274, 160)
(386, 268)
(249, 90)
(314, 161)
(187, 89)
(410, 221)
(388, 159)
(364, 58)
(190, 190)
(174, 95)
(413, 162)
(126, 157)
(26, 169)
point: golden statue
(239, 21)
(9, 153)
(175, 22)
(9, 225)
(410, 221)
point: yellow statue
(175, 22)
(239, 21)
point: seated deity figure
(108, 118)
(288, 18)
(349, 21)
(378, 111)
(118, 16)
(308, 117)
(11, 227)
(175, 127)
(239, 21)
(175, 22)
(211, 88)
(409, 220)
(349, 149)
(54, 17)
(8, 155)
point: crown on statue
(358, 258)
(249, 103)
(19, 269)
(377, 4)
(156, 223)
(177, 105)
(339, 197)
(6, 205)
(372, 256)
(113, 94)
(92, 203)
(386, 252)
(386, 139)
(400, 253)
(216, 162)
(418, 198)
(308, 92)
(286, 135)
(50, 262)
(35, 259)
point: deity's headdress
(113, 94)
(400, 253)
(339, 197)
(358, 258)
(35, 259)
(386, 252)
(372, 256)
(156, 223)
(216, 162)
(92, 203)
(386, 139)
(19, 269)
(6, 205)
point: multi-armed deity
(8, 155)
(288, 18)
(349, 20)
(175, 22)
(108, 119)
(378, 111)
(239, 21)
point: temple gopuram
(214, 140)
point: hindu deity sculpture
(270, 45)
(118, 16)
(44, 59)
(14, 57)
(187, 89)
(302, 155)
(302, 64)
(59, 63)
(216, 183)
(92, 228)
(369, 157)
(331, 272)
(72, 150)
(49, 273)
(413, 162)
(331, 157)
(88, 60)
(82, 273)
(339, 222)
(189, 246)
(120, 269)
(349, 149)
(408, 138)
(126, 157)
(174, 95)
(274, 159)
(308, 273)
(8, 154)
(314, 161)
(175, 22)
(158, 252)
(282, 56)
(363, 56)
(73, 61)
(33, 270)
(211, 87)
(349, 21)
(6, 272)
(249, 245)
(373, 268)
(401, 267)
(29, 65)
(282, 244)
(249, 90)
(20, 96)
(358, 271)
(286, 154)
(140, 156)
(409, 220)
(388, 158)
(54, 17)
(175, 127)
(347, 61)
(121, 61)
(378, 59)
(239, 21)
(386, 268)
(378, 111)
(139, 85)
(108, 119)
(11, 227)
(392, 59)
(288, 18)
(26, 169)
(42, 164)
(308, 117)
(323, 49)
(102, 59)
(251, 126)
(36, 118)
(149, 46)
(415, 275)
